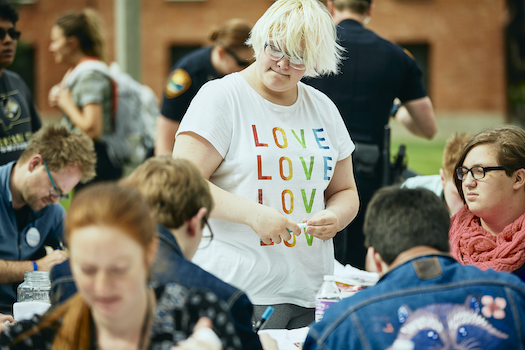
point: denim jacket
(429, 302)
(171, 266)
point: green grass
(424, 157)
(67, 202)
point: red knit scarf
(471, 244)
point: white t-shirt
(430, 182)
(282, 157)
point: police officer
(228, 54)
(375, 72)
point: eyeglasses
(55, 192)
(275, 54)
(12, 33)
(478, 172)
(242, 63)
(207, 236)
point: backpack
(134, 114)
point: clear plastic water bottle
(36, 287)
(326, 296)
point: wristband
(35, 266)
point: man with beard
(50, 167)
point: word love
(285, 163)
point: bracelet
(35, 266)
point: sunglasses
(241, 63)
(12, 33)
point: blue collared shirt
(14, 243)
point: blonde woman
(276, 153)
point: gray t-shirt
(94, 87)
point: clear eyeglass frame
(276, 55)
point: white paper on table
(27, 309)
(288, 339)
(354, 276)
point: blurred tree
(515, 52)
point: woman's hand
(64, 98)
(50, 260)
(267, 342)
(323, 225)
(203, 338)
(53, 96)
(3, 319)
(89, 118)
(272, 226)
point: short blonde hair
(301, 28)
(174, 189)
(60, 148)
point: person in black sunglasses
(228, 54)
(18, 116)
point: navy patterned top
(176, 312)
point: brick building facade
(460, 42)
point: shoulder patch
(427, 268)
(178, 82)
(409, 54)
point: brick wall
(465, 38)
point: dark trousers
(106, 171)
(349, 244)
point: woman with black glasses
(489, 231)
(229, 53)
(277, 154)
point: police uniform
(373, 73)
(185, 79)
